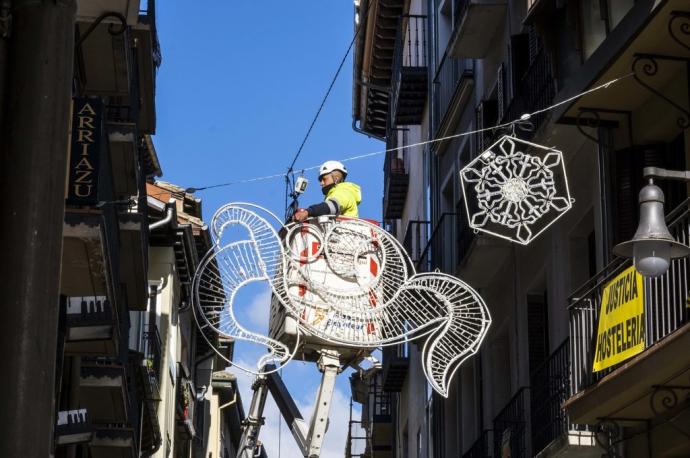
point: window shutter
(501, 91)
(519, 60)
(628, 180)
(479, 136)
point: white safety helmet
(332, 166)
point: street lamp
(652, 247)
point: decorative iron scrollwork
(648, 65)
(607, 434)
(112, 29)
(590, 117)
(683, 19)
(583, 121)
(665, 399)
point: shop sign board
(85, 153)
(621, 331)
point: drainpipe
(368, 134)
(168, 216)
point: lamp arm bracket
(658, 172)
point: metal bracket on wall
(647, 66)
(609, 432)
(112, 30)
(682, 17)
(665, 401)
(590, 117)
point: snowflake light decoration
(345, 281)
(515, 189)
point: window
(599, 18)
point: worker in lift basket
(342, 197)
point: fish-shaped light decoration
(345, 281)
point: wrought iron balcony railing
(533, 91)
(151, 346)
(395, 178)
(381, 406)
(409, 72)
(665, 302)
(511, 427)
(416, 236)
(549, 386)
(451, 76)
(186, 403)
(395, 364)
(147, 15)
(448, 244)
(482, 447)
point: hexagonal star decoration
(515, 189)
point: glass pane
(593, 28)
(618, 9)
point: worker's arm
(328, 207)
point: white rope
(523, 118)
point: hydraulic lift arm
(308, 439)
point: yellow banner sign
(621, 320)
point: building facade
(425, 70)
(108, 360)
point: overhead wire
(323, 101)
(516, 122)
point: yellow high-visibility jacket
(348, 196)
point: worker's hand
(300, 215)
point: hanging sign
(621, 332)
(85, 152)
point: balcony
(73, 427)
(533, 91)
(482, 447)
(151, 362)
(123, 141)
(396, 362)
(511, 427)
(103, 390)
(409, 73)
(186, 403)
(91, 326)
(448, 245)
(634, 388)
(103, 59)
(395, 180)
(89, 11)
(552, 432)
(475, 22)
(416, 236)
(452, 88)
(146, 367)
(134, 231)
(148, 57)
(373, 62)
(115, 440)
(381, 419)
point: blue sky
(239, 85)
(237, 90)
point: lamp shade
(652, 247)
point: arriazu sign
(621, 332)
(85, 153)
